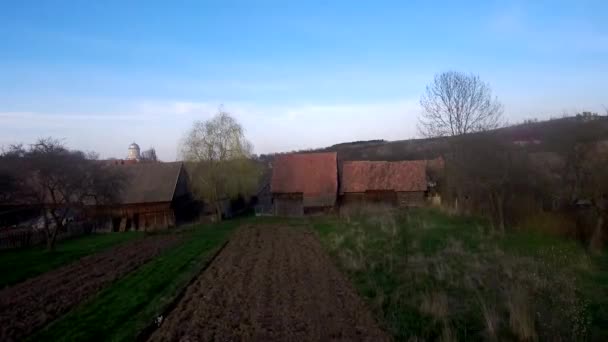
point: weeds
(430, 276)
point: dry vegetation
(434, 277)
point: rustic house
(153, 197)
(402, 183)
(304, 183)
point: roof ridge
(181, 166)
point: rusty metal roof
(361, 176)
(315, 175)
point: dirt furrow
(28, 306)
(271, 284)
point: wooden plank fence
(26, 236)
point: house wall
(288, 204)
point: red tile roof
(361, 176)
(315, 175)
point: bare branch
(457, 103)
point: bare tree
(60, 182)
(220, 160)
(149, 155)
(457, 103)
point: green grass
(17, 265)
(121, 311)
(432, 276)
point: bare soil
(26, 307)
(271, 284)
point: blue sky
(297, 74)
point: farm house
(304, 183)
(153, 197)
(402, 183)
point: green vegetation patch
(431, 276)
(122, 310)
(17, 265)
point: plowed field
(26, 307)
(271, 284)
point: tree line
(55, 181)
(487, 174)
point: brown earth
(271, 284)
(28, 306)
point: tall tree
(457, 103)
(220, 161)
(59, 181)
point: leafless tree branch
(457, 103)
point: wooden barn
(153, 197)
(402, 183)
(304, 183)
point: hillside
(546, 136)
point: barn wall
(288, 204)
(390, 198)
(319, 210)
(376, 197)
(142, 217)
(352, 198)
(411, 199)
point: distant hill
(535, 136)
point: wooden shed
(304, 183)
(401, 183)
(151, 198)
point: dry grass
(434, 277)
(521, 314)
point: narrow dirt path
(271, 284)
(28, 306)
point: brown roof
(149, 182)
(361, 176)
(315, 175)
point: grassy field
(17, 265)
(122, 310)
(426, 276)
(429, 276)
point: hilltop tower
(133, 152)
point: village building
(154, 196)
(304, 183)
(134, 152)
(402, 183)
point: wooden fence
(27, 236)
